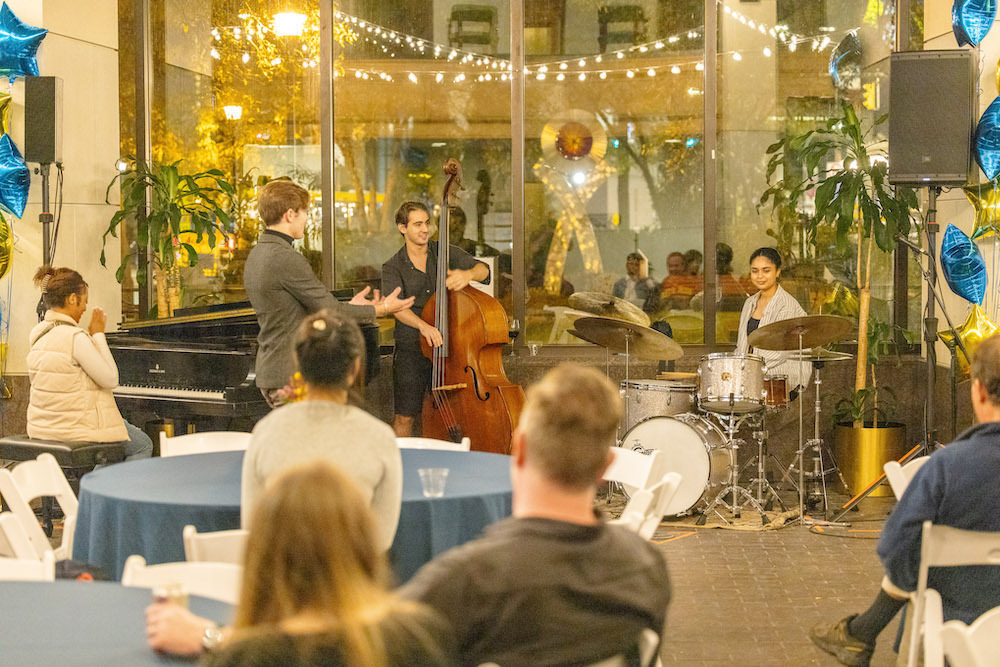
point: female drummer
(771, 304)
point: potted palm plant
(170, 208)
(854, 198)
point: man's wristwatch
(211, 639)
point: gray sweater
(359, 444)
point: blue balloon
(963, 265)
(845, 63)
(987, 144)
(972, 19)
(18, 45)
(15, 178)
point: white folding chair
(634, 470)
(219, 581)
(28, 569)
(37, 479)
(944, 546)
(899, 476)
(433, 443)
(973, 645)
(14, 542)
(645, 509)
(221, 546)
(203, 443)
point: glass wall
(615, 146)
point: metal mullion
(519, 289)
(326, 120)
(709, 203)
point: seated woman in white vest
(72, 372)
(328, 350)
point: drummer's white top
(782, 306)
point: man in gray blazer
(283, 288)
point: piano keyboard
(169, 393)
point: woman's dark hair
(326, 347)
(58, 284)
(769, 253)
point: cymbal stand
(764, 488)
(625, 396)
(732, 424)
(816, 443)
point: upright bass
(470, 394)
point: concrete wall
(82, 49)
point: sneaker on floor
(838, 642)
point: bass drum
(694, 448)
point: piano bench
(75, 458)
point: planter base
(861, 453)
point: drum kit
(693, 418)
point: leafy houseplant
(853, 198)
(170, 208)
(867, 405)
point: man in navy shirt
(959, 486)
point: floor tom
(656, 398)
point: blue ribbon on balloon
(972, 19)
(18, 45)
(963, 265)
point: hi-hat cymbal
(606, 305)
(819, 354)
(807, 331)
(617, 335)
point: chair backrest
(899, 476)
(221, 546)
(219, 581)
(15, 542)
(28, 569)
(945, 546)
(973, 645)
(36, 479)
(203, 443)
(433, 443)
(634, 469)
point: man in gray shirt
(283, 288)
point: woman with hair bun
(771, 304)
(328, 350)
(72, 372)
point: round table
(141, 507)
(83, 623)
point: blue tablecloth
(83, 623)
(141, 507)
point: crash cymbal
(815, 330)
(616, 335)
(606, 305)
(819, 354)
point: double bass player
(414, 270)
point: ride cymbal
(621, 336)
(807, 331)
(606, 305)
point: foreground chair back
(433, 443)
(975, 645)
(645, 509)
(635, 470)
(899, 476)
(37, 479)
(203, 443)
(218, 581)
(221, 546)
(944, 546)
(28, 569)
(14, 542)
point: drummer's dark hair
(770, 253)
(985, 367)
(326, 347)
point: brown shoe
(838, 642)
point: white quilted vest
(65, 404)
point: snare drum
(656, 398)
(693, 447)
(776, 388)
(731, 383)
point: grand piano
(198, 366)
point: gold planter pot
(861, 453)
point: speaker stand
(45, 218)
